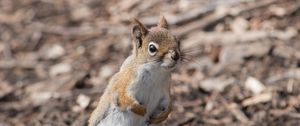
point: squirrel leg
(130, 103)
(164, 109)
(138, 109)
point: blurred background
(56, 57)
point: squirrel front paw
(158, 118)
(138, 109)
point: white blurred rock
(81, 12)
(239, 25)
(216, 84)
(55, 52)
(254, 85)
(60, 69)
(106, 71)
(83, 101)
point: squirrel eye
(152, 48)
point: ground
(242, 63)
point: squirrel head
(155, 45)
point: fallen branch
(12, 63)
(147, 4)
(290, 74)
(82, 30)
(289, 111)
(182, 18)
(228, 38)
(214, 18)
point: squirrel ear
(138, 31)
(163, 22)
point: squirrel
(139, 94)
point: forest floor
(56, 58)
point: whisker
(191, 52)
(192, 49)
(187, 58)
(185, 53)
(190, 61)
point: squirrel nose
(175, 55)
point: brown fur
(121, 85)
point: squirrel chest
(152, 84)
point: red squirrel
(139, 94)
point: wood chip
(261, 98)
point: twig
(234, 109)
(36, 39)
(257, 99)
(287, 111)
(186, 121)
(212, 121)
(9, 64)
(7, 51)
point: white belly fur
(117, 117)
(150, 88)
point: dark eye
(152, 48)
